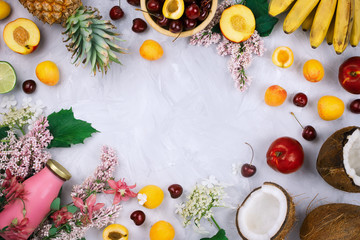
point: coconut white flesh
(351, 155)
(263, 213)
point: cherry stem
(296, 119)
(119, 3)
(177, 36)
(152, 14)
(252, 152)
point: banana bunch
(336, 20)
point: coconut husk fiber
(335, 221)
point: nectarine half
(22, 36)
(237, 23)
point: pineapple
(90, 39)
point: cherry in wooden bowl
(184, 33)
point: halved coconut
(338, 162)
(334, 221)
(268, 212)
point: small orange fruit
(5, 9)
(153, 194)
(162, 230)
(115, 231)
(330, 108)
(275, 95)
(151, 50)
(283, 57)
(313, 70)
(48, 73)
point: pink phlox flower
(61, 216)
(89, 206)
(17, 230)
(13, 188)
(121, 190)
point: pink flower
(121, 190)
(89, 207)
(61, 216)
(13, 189)
(17, 230)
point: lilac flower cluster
(26, 156)
(240, 53)
(97, 182)
(241, 57)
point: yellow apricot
(151, 50)
(48, 73)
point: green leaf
(216, 28)
(53, 230)
(220, 235)
(264, 22)
(67, 130)
(55, 205)
(258, 7)
(67, 228)
(3, 132)
(72, 209)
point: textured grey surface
(179, 119)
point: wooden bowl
(188, 33)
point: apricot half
(22, 36)
(237, 23)
(115, 232)
(173, 9)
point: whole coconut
(335, 221)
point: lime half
(7, 77)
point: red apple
(349, 75)
(285, 155)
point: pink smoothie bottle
(41, 189)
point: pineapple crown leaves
(91, 40)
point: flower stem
(217, 225)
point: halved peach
(22, 36)
(237, 23)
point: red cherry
(190, 23)
(29, 86)
(309, 132)
(135, 3)
(116, 13)
(163, 21)
(139, 25)
(248, 170)
(355, 106)
(153, 6)
(175, 190)
(300, 100)
(192, 11)
(138, 217)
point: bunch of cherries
(196, 11)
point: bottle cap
(58, 169)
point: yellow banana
(298, 13)
(278, 6)
(343, 24)
(308, 21)
(355, 32)
(330, 32)
(324, 14)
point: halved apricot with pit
(237, 23)
(283, 57)
(115, 232)
(173, 9)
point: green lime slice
(7, 77)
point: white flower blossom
(210, 182)
(8, 102)
(200, 202)
(27, 102)
(142, 198)
(236, 168)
